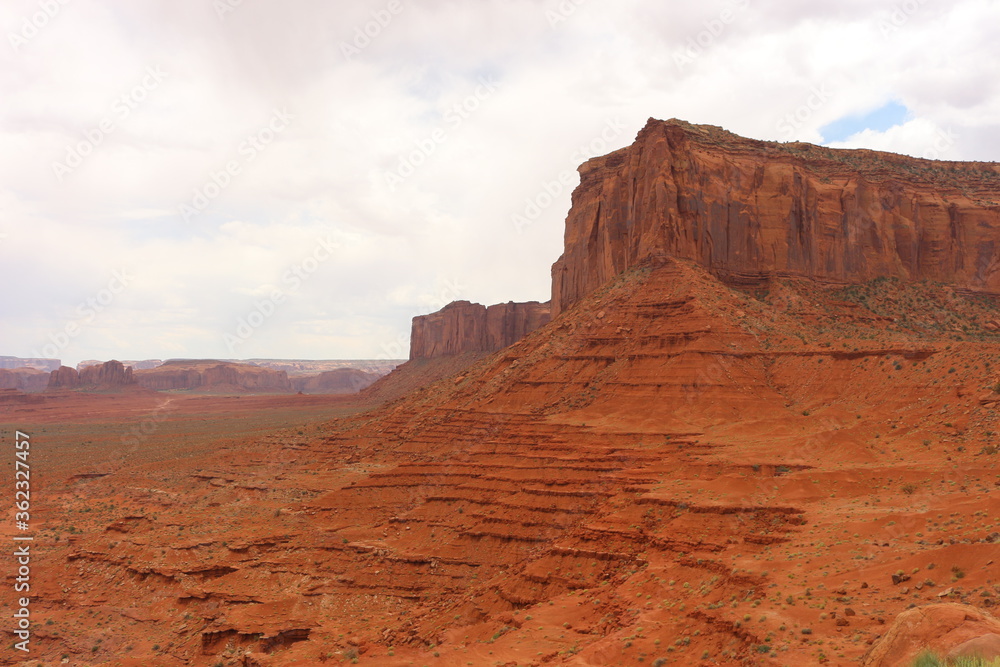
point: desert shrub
(928, 659)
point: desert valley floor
(673, 472)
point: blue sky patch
(879, 120)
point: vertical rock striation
(747, 210)
(462, 327)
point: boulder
(939, 628)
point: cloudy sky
(297, 179)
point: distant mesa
(260, 376)
(14, 363)
(294, 367)
(339, 381)
(213, 376)
(109, 376)
(135, 365)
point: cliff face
(64, 377)
(110, 375)
(107, 376)
(462, 327)
(749, 209)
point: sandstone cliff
(462, 327)
(110, 375)
(64, 377)
(747, 210)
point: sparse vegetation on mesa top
(927, 308)
(928, 659)
(975, 179)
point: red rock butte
(748, 209)
(462, 327)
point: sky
(260, 179)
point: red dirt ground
(672, 473)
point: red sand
(672, 471)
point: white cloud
(448, 230)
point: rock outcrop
(937, 628)
(213, 376)
(109, 376)
(462, 327)
(64, 377)
(748, 210)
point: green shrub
(928, 659)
